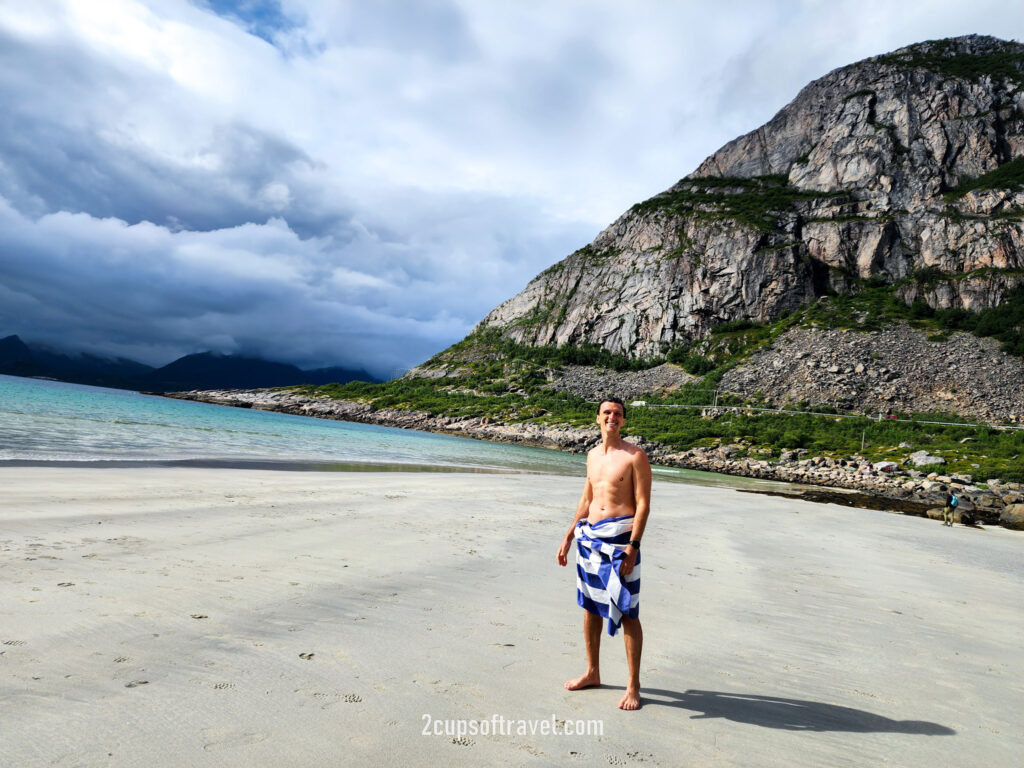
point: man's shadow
(786, 714)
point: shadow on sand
(787, 714)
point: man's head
(611, 412)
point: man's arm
(642, 499)
(582, 510)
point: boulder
(923, 459)
(1012, 517)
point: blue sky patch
(263, 18)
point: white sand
(777, 632)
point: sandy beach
(216, 617)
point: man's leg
(634, 648)
(592, 636)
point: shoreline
(998, 504)
(272, 465)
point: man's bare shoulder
(636, 453)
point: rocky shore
(991, 502)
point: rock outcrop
(867, 173)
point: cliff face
(895, 164)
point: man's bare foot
(589, 680)
(631, 700)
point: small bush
(698, 365)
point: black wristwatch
(635, 545)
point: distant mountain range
(205, 370)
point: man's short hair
(616, 400)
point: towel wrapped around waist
(600, 589)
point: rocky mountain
(906, 169)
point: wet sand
(228, 617)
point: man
(607, 529)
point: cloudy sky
(332, 182)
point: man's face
(610, 416)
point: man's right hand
(563, 552)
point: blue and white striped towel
(600, 550)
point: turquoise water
(51, 421)
(54, 421)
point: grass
(756, 202)
(1009, 176)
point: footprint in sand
(306, 656)
(66, 584)
(462, 741)
(121, 659)
(14, 642)
(223, 686)
(200, 616)
(351, 698)
(136, 683)
(222, 739)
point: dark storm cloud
(358, 183)
(75, 155)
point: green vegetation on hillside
(876, 305)
(1009, 176)
(756, 202)
(996, 453)
(513, 391)
(943, 58)
(873, 305)
(490, 343)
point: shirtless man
(618, 484)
